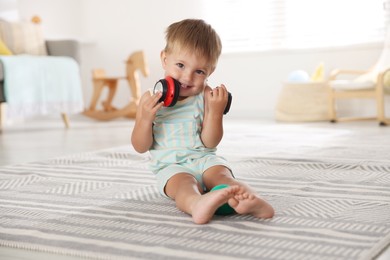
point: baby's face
(189, 69)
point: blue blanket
(40, 85)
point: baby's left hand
(216, 99)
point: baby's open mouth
(184, 86)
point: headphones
(170, 88)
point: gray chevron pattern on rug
(105, 205)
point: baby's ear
(163, 56)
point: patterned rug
(105, 205)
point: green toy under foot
(225, 209)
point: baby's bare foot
(246, 202)
(204, 208)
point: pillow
(23, 38)
(4, 49)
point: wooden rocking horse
(135, 62)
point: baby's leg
(185, 190)
(247, 202)
(204, 208)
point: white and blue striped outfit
(177, 145)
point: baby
(182, 139)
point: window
(246, 25)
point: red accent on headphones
(170, 92)
(170, 89)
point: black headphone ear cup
(229, 103)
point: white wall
(60, 18)
(111, 30)
(120, 27)
(9, 10)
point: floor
(46, 137)
(42, 138)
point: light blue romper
(177, 146)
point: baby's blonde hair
(194, 35)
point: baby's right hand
(149, 105)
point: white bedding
(40, 85)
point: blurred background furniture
(25, 42)
(302, 102)
(135, 62)
(371, 84)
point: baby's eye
(201, 72)
(180, 65)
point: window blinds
(246, 25)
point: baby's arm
(215, 103)
(142, 136)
